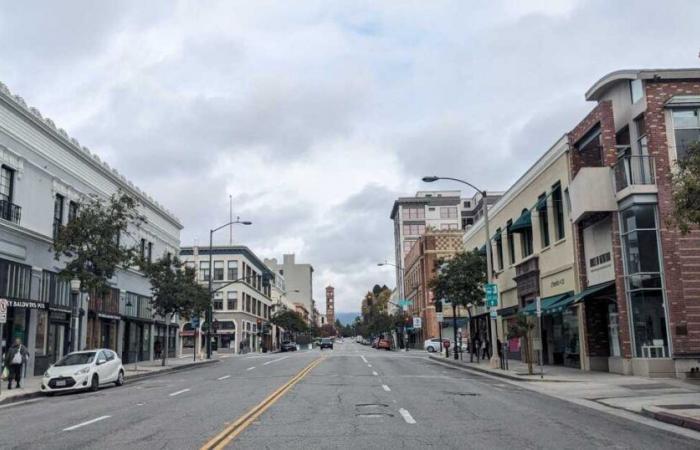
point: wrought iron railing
(9, 211)
(634, 170)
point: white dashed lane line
(374, 372)
(224, 377)
(406, 416)
(363, 358)
(386, 388)
(179, 392)
(275, 360)
(250, 368)
(86, 423)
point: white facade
(45, 175)
(298, 279)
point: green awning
(592, 290)
(547, 303)
(524, 222)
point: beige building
(533, 246)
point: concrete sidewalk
(668, 400)
(31, 386)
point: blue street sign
(195, 322)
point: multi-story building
(532, 247)
(619, 284)
(44, 177)
(299, 283)
(422, 263)
(242, 304)
(622, 155)
(330, 304)
(437, 210)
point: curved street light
(494, 363)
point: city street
(350, 397)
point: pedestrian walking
(157, 349)
(17, 355)
(485, 349)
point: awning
(590, 291)
(524, 222)
(683, 101)
(547, 304)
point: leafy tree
(686, 190)
(91, 242)
(523, 328)
(175, 290)
(461, 279)
(289, 320)
(328, 330)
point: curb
(673, 419)
(507, 376)
(136, 377)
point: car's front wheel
(120, 378)
(94, 383)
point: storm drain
(688, 406)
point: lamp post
(400, 270)
(494, 362)
(210, 311)
(74, 290)
(470, 305)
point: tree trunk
(164, 348)
(528, 346)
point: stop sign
(446, 343)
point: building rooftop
(602, 85)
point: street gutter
(496, 373)
(127, 379)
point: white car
(432, 345)
(83, 370)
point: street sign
(3, 310)
(440, 317)
(494, 313)
(538, 304)
(195, 322)
(405, 303)
(417, 322)
(491, 290)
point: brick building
(421, 264)
(330, 305)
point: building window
(142, 249)
(499, 249)
(643, 274)
(636, 90)
(72, 211)
(642, 140)
(218, 304)
(407, 244)
(232, 270)
(590, 148)
(15, 280)
(247, 302)
(526, 239)
(413, 212)
(413, 229)
(57, 214)
(218, 270)
(7, 177)
(558, 207)
(232, 300)
(686, 127)
(204, 270)
(543, 217)
(448, 212)
(149, 252)
(511, 243)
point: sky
(316, 115)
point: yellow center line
(229, 433)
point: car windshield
(76, 359)
(326, 341)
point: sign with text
(494, 313)
(491, 290)
(417, 322)
(3, 310)
(440, 317)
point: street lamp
(210, 312)
(74, 290)
(494, 363)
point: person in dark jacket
(16, 356)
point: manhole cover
(374, 415)
(642, 387)
(371, 405)
(679, 406)
(462, 394)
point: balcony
(9, 211)
(634, 175)
(591, 191)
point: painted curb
(673, 419)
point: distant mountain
(346, 317)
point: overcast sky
(316, 115)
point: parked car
(383, 343)
(432, 345)
(288, 346)
(375, 341)
(87, 369)
(326, 343)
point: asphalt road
(354, 398)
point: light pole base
(495, 362)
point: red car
(384, 344)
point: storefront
(226, 336)
(136, 314)
(560, 341)
(103, 321)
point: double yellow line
(222, 439)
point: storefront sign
(27, 304)
(440, 317)
(108, 316)
(3, 310)
(557, 283)
(58, 316)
